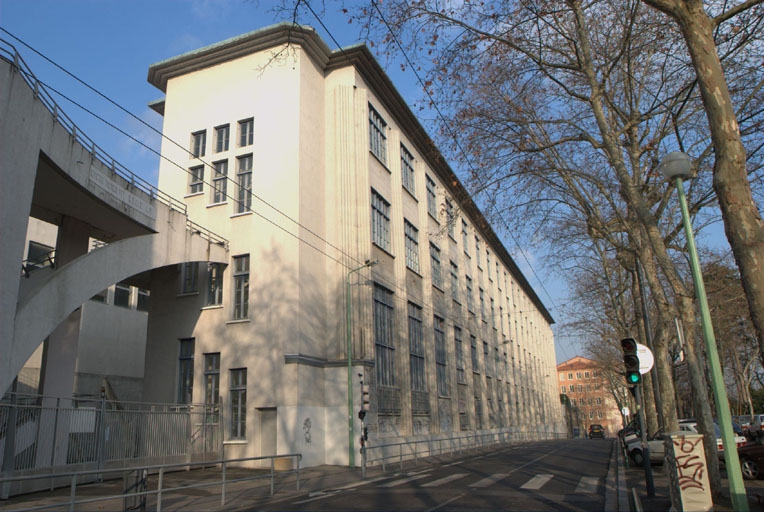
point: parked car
(596, 431)
(628, 433)
(654, 445)
(751, 460)
(692, 426)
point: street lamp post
(349, 348)
(676, 166)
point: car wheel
(749, 468)
(637, 457)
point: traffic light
(631, 361)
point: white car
(692, 426)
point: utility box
(687, 473)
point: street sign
(646, 359)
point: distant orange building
(590, 399)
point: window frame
(380, 221)
(411, 243)
(436, 266)
(377, 135)
(198, 144)
(241, 266)
(237, 389)
(416, 348)
(244, 184)
(246, 132)
(384, 336)
(185, 390)
(220, 182)
(196, 179)
(222, 138)
(407, 170)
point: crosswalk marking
(490, 480)
(537, 482)
(445, 480)
(403, 480)
(588, 484)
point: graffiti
(306, 428)
(690, 467)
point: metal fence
(38, 434)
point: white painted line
(537, 482)
(403, 480)
(433, 509)
(362, 482)
(445, 480)
(490, 480)
(588, 484)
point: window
(477, 251)
(220, 181)
(474, 353)
(450, 218)
(570, 376)
(454, 281)
(412, 245)
(185, 370)
(432, 204)
(586, 375)
(241, 286)
(384, 344)
(465, 238)
(222, 134)
(377, 135)
(407, 170)
(198, 142)
(437, 272)
(212, 385)
(440, 356)
(562, 376)
(461, 378)
(470, 300)
(493, 316)
(215, 284)
(599, 401)
(238, 385)
(100, 296)
(189, 276)
(416, 348)
(143, 300)
(246, 132)
(244, 183)
(563, 389)
(486, 359)
(572, 388)
(481, 297)
(380, 221)
(196, 179)
(122, 295)
(488, 262)
(580, 388)
(38, 256)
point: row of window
(221, 134)
(237, 386)
(580, 375)
(590, 401)
(189, 284)
(572, 388)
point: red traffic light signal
(631, 361)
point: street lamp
(348, 340)
(676, 166)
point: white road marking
(433, 509)
(537, 482)
(404, 480)
(445, 480)
(490, 480)
(588, 484)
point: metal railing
(414, 450)
(142, 489)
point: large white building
(342, 217)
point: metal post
(731, 458)
(649, 481)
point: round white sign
(646, 359)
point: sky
(110, 44)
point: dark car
(596, 431)
(751, 460)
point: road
(563, 476)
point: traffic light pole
(649, 481)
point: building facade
(358, 262)
(589, 396)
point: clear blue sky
(110, 45)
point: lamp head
(676, 165)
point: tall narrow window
(437, 272)
(441, 372)
(450, 218)
(222, 134)
(198, 143)
(196, 179)
(407, 170)
(465, 238)
(384, 342)
(474, 354)
(189, 277)
(246, 132)
(241, 286)
(416, 347)
(220, 181)
(244, 184)
(377, 135)
(215, 284)
(380, 221)
(186, 371)
(477, 251)
(238, 385)
(481, 297)
(212, 385)
(143, 299)
(122, 295)
(432, 203)
(454, 281)
(412, 245)
(468, 291)
(459, 350)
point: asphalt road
(564, 476)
